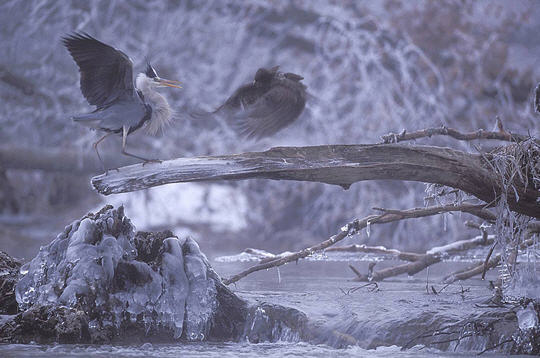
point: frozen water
(527, 318)
(525, 281)
(94, 266)
(201, 301)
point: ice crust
(527, 318)
(119, 278)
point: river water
(323, 290)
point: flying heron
(265, 106)
(107, 83)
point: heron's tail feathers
(89, 120)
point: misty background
(371, 67)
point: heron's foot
(107, 171)
(151, 161)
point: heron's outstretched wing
(106, 73)
(276, 109)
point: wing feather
(106, 73)
(276, 109)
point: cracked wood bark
(332, 164)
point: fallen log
(340, 165)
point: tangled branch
(356, 225)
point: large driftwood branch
(332, 164)
(58, 160)
(356, 225)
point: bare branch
(463, 245)
(489, 263)
(473, 271)
(353, 227)
(454, 133)
(420, 261)
(486, 261)
(410, 268)
(405, 256)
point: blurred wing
(106, 73)
(275, 110)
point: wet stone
(9, 271)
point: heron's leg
(97, 152)
(125, 132)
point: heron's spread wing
(106, 73)
(276, 109)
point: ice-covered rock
(125, 283)
(99, 281)
(9, 268)
(527, 317)
(268, 322)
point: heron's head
(265, 76)
(150, 79)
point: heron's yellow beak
(169, 83)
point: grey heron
(265, 106)
(107, 83)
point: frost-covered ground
(370, 67)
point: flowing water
(398, 309)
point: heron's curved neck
(161, 111)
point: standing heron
(265, 106)
(107, 83)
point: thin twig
(375, 288)
(355, 270)
(495, 346)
